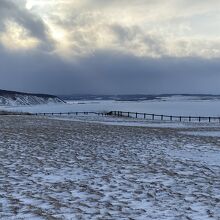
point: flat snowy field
(173, 107)
(108, 168)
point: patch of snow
(203, 133)
(26, 100)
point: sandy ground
(57, 169)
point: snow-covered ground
(204, 133)
(134, 122)
(94, 168)
(169, 107)
(103, 167)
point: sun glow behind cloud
(17, 37)
(143, 28)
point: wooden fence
(164, 117)
(127, 114)
(71, 113)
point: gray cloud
(142, 28)
(92, 48)
(11, 11)
(108, 72)
(123, 74)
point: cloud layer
(149, 28)
(96, 46)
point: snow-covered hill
(12, 98)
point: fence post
(161, 117)
(153, 117)
(189, 118)
(209, 119)
(128, 114)
(136, 114)
(180, 118)
(171, 118)
(199, 119)
(144, 116)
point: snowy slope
(11, 98)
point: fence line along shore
(143, 116)
(136, 115)
(165, 117)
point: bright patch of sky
(143, 28)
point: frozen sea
(173, 106)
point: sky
(110, 46)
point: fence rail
(71, 113)
(127, 114)
(164, 117)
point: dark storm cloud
(108, 72)
(128, 74)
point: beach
(75, 169)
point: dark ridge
(8, 98)
(136, 97)
(11, 93)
